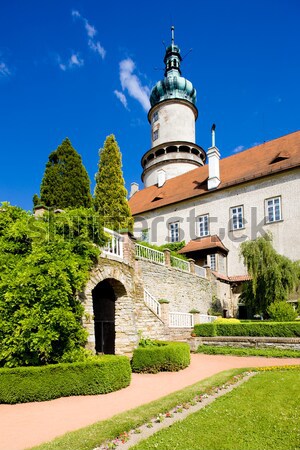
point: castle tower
(172, 118)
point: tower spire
(172, 34)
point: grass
(92, 436)
(267, 352)
(262, 414)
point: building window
(273, 209)
(203, 225)
(237, 219)
(145, 235)
(155, 135)
(174, 231)
(213, 261)
(155, 117)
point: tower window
(155, 135)
(155, 117)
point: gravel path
(24, 425)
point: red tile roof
(204, 243)
(262, 160)
(235, 278)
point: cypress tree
(110, 193)
(66, 182)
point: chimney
(161, 178)
(213, 156)
(134, 187)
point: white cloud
(121, 97)
(97, 47)
(91, 32)
(238, 149)
(90, 29)
(131, 83)
(75, 13)
(4, 70)
(74, 61)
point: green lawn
(92, 436)
(237, 351)
(262, 414)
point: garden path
(25, 425)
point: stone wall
(185, 291)
(246, 342)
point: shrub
(164, 356)
(205, 329)
(268, 329)
(223, 320)
(282, 312)
(97, 375)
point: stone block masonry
(184, 291)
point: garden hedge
(164, 356)
(267, 329)
(97, 375)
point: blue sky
(84, 69)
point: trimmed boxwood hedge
(97, 375)
(164, 356)
(268, 329)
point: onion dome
(173, 85)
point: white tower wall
(175, 122)
(171, 170)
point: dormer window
(280, 157)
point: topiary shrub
(97, 375)
(282, 312)
(161, 356)
(223, 320)
(205, 329)
(264, 329)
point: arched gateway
(105, 294)
(110, 299)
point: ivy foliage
(43, 263)
(274, 276)
(66, 183)
(110, 198)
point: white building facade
(213, 207)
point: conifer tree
(66, 182)
(110, 193)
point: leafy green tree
(110, 193)
(274, 276)
(66, 182)
(44, 262)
